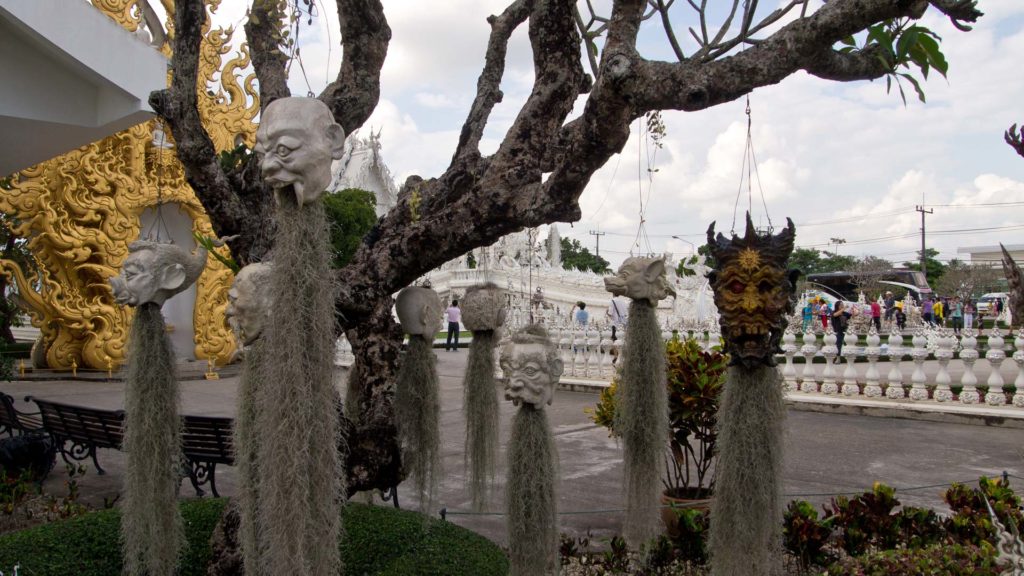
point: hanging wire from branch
(749, 169)
(651, 134)
(159, 226)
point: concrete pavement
(826, 453)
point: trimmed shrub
(378, 540)
(938, 560)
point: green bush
(803, 535)
(938, 560)
(378, 541)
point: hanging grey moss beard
(418, 412)
(531, 496)
(746, 513)
(245, 457)
(642, 420)
(300, 481)
(151, 525)
(482, 417)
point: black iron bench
(14, 421)
(206, 442)
(78, 431)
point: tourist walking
(808, 315)
(928, 311)
(876, 315)
(840, 321)
(939, 312)
(454, 316)
(582, 317)
(825, 311)
(969, 314)
(956, 315)
(890, 306)
(901, 317)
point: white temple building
(528, 263)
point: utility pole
(924, 267)
(597, 234)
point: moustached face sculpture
(531, 366)
(753, 291)
(640, 279)
(155, 271)
(296, 141)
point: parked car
(987, 301)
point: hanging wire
(159, 226)
(748, 167)
(642, 240)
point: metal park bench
(14, 421)
(78, 431)
(206, 442)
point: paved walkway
(826, 453)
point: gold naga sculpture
(80, 211)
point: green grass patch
(378, 541)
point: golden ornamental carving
(80, 211)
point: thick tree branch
(1015, 139)
(488, 92)
(263, 32)
(178, 106)
(365, 35)
(958, 11)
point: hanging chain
(749, 166)
(159, 227)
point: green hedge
(378, 541)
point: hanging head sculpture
(155, 271)
(419, 311)
(296, 141)
(249, 302)
(640, 279)
(532, 367)
(753, 291)
(1015, 279)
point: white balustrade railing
(865, 368)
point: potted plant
(694, 379)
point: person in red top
(876, 315)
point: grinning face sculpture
(640, 279)
(250, 302)
(419, 311)
(296, 141)
(155, 271)
(753, 291)
(531, 367)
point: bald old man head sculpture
(296, 141)
(249, 302)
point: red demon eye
(737, 287)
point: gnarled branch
(1015, 139)
(263, 32)
(365, 35)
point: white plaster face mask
(528, 375)
(249, 302)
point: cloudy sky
(846, 161)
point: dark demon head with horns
(753, 291)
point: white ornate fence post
(593, 362)
(565, 344)
(808, 350)
(969, 354)
(944, 354)
(828, 376)
(850, 387)
(1018, 357)
(789, 349)
(995, 357)
(895, 378)
(605, 372)
(872, 389)
(918, 391)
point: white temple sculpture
(417, 391)
(532, 367)
(643, 397)
(151, 524)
